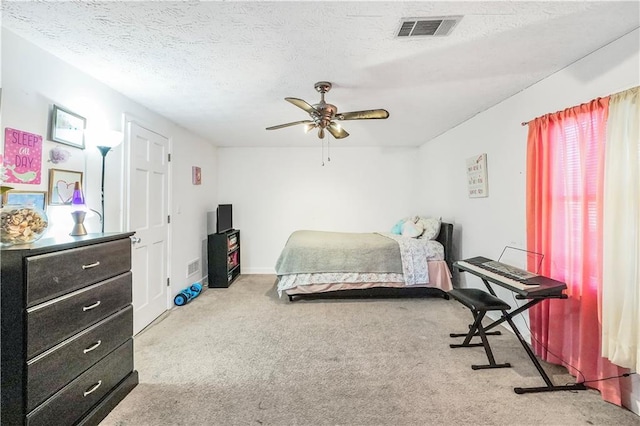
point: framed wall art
(477, 182)
(61, 185)
(67, 127)
(196, 175)
(22, 161)
(37, 198)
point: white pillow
(431, 227)
(410, 229)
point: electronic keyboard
(534, 285)
(502, 277)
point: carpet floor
(244, 356)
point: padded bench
(479, 302)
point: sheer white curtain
(621, 232)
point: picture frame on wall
(477, 178)
(67, 127)
(36, 198)
(61, 186)
(196, 175)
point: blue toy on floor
(187, 294)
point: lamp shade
(111, 138)
(104, 138)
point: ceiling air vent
(436, 26)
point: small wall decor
(477, 181)
(196, 175)
(36, 198)
(58, 155)
(61, 186)
(67, 127)
(22, 156)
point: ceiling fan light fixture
(323, 115)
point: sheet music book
(513, 262)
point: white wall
(485, 225)
(275, 191)
(190, 204)
(33, 80)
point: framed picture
(61, 185)
(196, 175)
(477, 181)
(67, 127)
(37, 198)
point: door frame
(127, 119)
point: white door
(148, 216)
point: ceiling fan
(324, 115)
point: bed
(316, 264)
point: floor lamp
(113, 139)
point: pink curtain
(565, 160)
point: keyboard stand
(508, 317)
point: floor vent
(429, 27)
(193, 267)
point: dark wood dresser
(66, 348)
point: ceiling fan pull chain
(322, 143)
(328, 149)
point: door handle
(135, 240)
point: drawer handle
(91, 265)
(93, 388)
(90, 307)
(94, 347)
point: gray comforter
(320, 251)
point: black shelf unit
(223, 251)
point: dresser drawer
(75, 399)
(51, 275)
(52, 322)
(52, 370)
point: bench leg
(478, 330)
(487, 349)
(487, 333)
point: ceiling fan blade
(337, 131)
(362, 115)
(301, 104)
(281, 126)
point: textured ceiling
(222, 68)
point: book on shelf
(232, 260)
